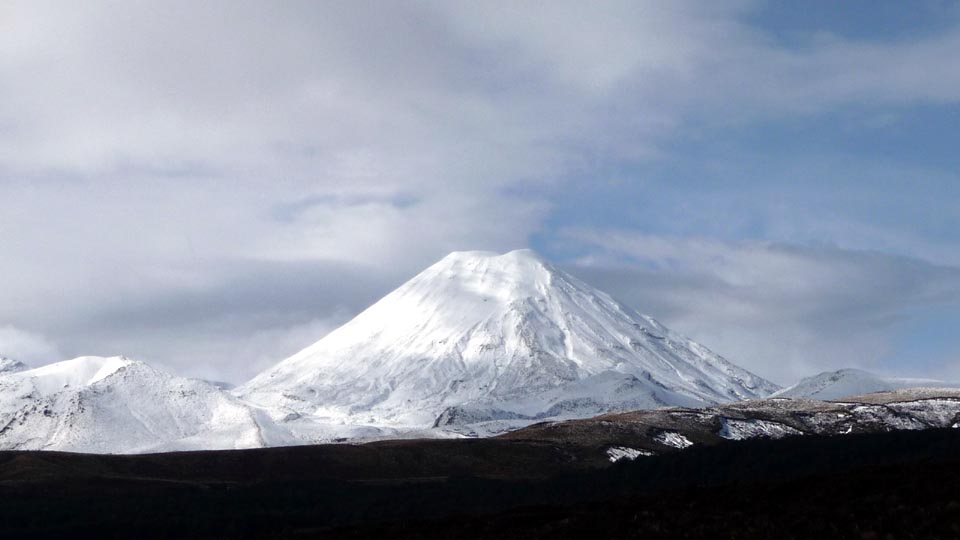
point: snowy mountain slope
(496, 335)
(851, 382)
(116, 405)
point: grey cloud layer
(783, 311)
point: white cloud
(230, 351)
(145, 148)
(27, 347)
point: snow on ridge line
(77, 372)
(117, 405)
(846, 383)
(474, 255)
(738, 430)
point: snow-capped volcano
(485, 336)
(117, 405)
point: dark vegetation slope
(889, 485)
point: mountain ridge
(849, 382)
(118, 405)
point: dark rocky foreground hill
(882, 485)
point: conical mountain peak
(482, 275)
(508, 332)
(517, 257)
(517, 265)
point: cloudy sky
(210, 186)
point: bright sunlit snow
(496, 337)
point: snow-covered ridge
(117, 405)
(78, 372)
(851, 382)
(502, 336)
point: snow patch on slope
(937, 412)
(616, 453)
(673, 439)
(738, 430)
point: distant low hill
(850, 382)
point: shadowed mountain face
(496, 337)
